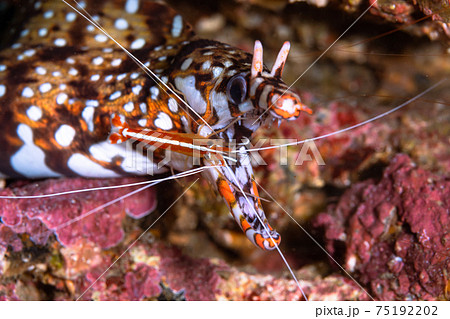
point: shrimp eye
(237, 89)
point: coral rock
(72, 216)
(395, 232)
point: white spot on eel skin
(227, 64)
(132, 6)
(2, 90)
(115, 95)
(85, 167)
(154, 91)
(95, 77)
(129, 106)
(121, 24)
(186, 63)
(101, 38)
(60, 42)
(143, 107)
(2, 67)
(24, 33)
(134, 76)
(122, 76)
(70, 60)
(34, 113)
(108, 78)
(173, 106)
(27, 92)
(136, 89)
(177, 26)
(29, 160)
(93, 103)
(71, 16)
(134, 162)
(137, 44)
(206, 65)
(61, 98)
(40, 70)
(187, 87)
(42, 32)
(45, 87)
(56, 73)
(88, 117)
(29, 52)
(142, 122)
(73, 71)
(185, 123)
(48, 14)
(163, 121)
(220, 102)
(217, 71)
(97, 61)
(116, 62)
(64, 135)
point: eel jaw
(235, 183)
(287, 106)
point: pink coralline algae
(343, 154)
(196, 276)
(395, 232)
(70, 217)
(145, 271)
(160, 272)
(139, 283)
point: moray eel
(61, 81)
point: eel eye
(237, 89)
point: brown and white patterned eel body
(61, 81)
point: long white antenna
(350, 127)
(315, 241)
(320, 56)
(153, 182)
(134, 242)
(266, 229)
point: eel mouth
(234, 180)
(232, 176)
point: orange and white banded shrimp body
(61, 83)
